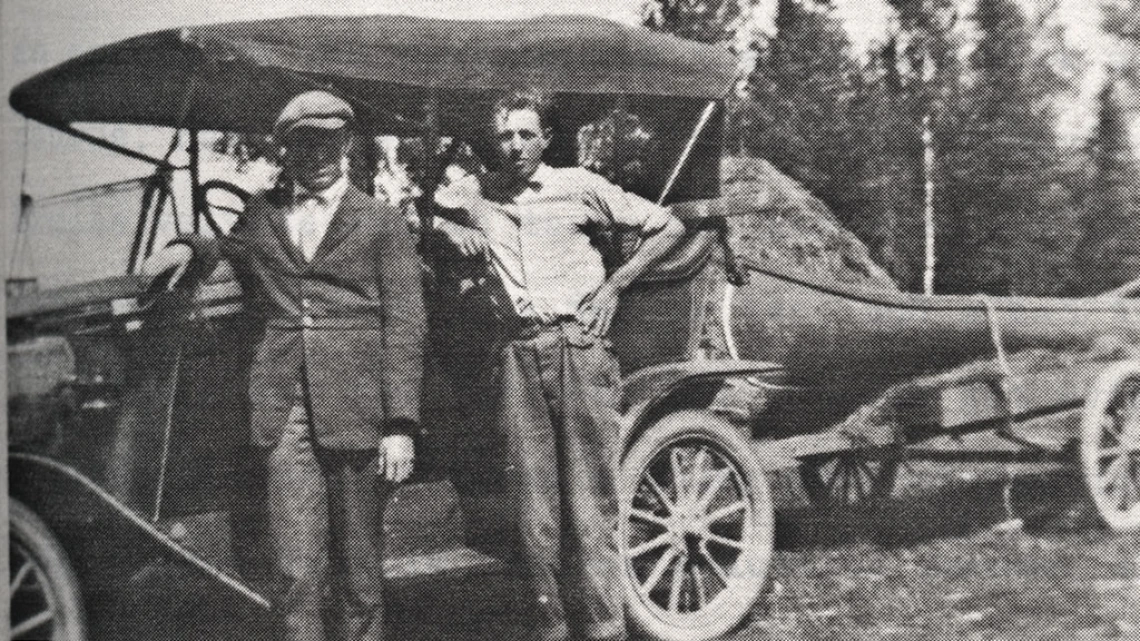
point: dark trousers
(325, 510)
(559, 412)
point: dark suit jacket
(349, 324)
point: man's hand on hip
(397, 457)
(596, 312)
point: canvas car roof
(235, 76)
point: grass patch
(930, 565)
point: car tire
(44, 595)
(695, 529)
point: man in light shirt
(559, 405)
(335, 386)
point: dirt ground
(929, 564)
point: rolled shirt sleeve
(617, 206)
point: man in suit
(559, 403)
(335, 385)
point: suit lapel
(343, 222)
(281, 229)
(276, 206)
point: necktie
(308, 233)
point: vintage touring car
(129, 461)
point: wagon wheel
(1110, 445)
(849, 479)
(695, 529)
(42, 589)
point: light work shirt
(311, 213)
(539, 246)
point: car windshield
(84, 235)
(80, 224)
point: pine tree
(801, 96)
(920, 75)
(1109, 251)
(1012, 226)
(890, 180)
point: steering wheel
(210, 186)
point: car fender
(64, 496)
(654, 391)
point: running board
(446, 564)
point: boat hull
(847, 344)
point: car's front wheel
(695, 529)
(43, 591)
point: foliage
(1109, 251)
(246, 148)
(1012, 230)
(700, 20)
(798, 111)
(1014, 210)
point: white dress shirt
(309, 217)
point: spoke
(675, 588)
(651, 544)
(21, 574)
(722, 540)
(679, 489)
(874, 474)
(657, 489)
(1128, 489)
(714, 486)
(699, 581)
(1119, 486)
(658, 571)
(1120, 497)
(835, 473)
(31, 624)
(1110, 429)
(695, 473)
(1114, 493)
(845, 487)
(648, 517)
(723, 512)
(1111, 474)
(1132, 484)
(859, 487)
(1106, 452)
(716, 567)
(1128, 407)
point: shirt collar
(504, 188)
(326, 197)
(541, 176)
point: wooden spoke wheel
(43, 592)
(849, 479)
(695, 528)
(1110, 445)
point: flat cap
(317, 109)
